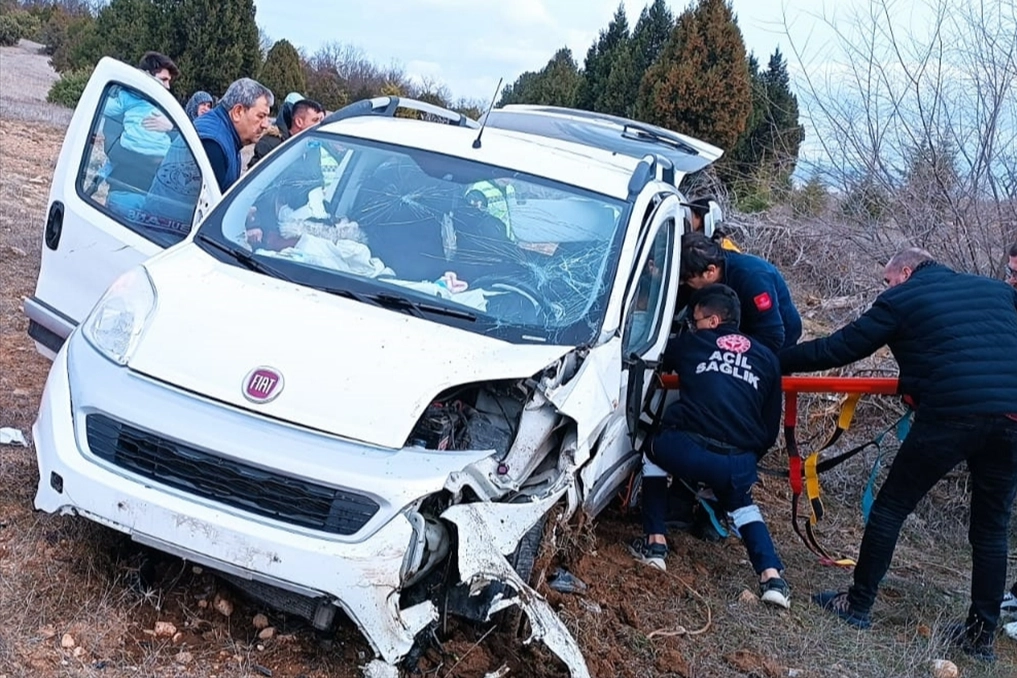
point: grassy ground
(72, 602)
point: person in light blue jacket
(138, 134)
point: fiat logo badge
(262, 385)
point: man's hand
(254, 236)
(157, 123)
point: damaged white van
(371, 369)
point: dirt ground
(78, 600)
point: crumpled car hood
(357, 371)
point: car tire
(524, 558)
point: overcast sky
(469, 44)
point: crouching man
(728, 416)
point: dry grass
(25, 79)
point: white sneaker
(776, 592)
(1009, 606)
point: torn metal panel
(592, 395)
(486, 533)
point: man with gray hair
(954, 336)
(240, 118)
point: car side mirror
(713, 218)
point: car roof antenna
(476, 142)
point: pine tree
(622, 88)
(123, 29)
(557, 84)
(599, 58)
(215, 42)
(785, 132)
(747, 154)
(768, 149)
(325, 88)
(700, 83)
(650, 36)
(283, 71)
(560, 80)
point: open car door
(650, 303)
(102, 217)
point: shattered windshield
(471, 245)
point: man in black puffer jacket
(955, 339)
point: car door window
(644, 315)
(138, 169)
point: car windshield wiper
(244, 258)
(417, 308)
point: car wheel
(524, 557)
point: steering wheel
(501, 282)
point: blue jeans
(935, 445)
(730, 476)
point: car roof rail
(387, 106)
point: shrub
(67, 90)
(31, 27)
(10, 30)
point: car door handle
(54, 225)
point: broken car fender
(488, 531)
(592, 395)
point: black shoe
(837, 603)
(972, 641)
(703, 527)
(651, 554)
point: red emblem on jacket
(763, 302)
(735, 343)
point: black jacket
(954, 336)
(269, 141)
(768, 313)
(730, 388)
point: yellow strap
(847, 411)
(812, 486)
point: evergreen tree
(785, 132)
(599, 58)
(556, 84)
(650, 36)
(619, 96)
(123, 29)
(214, 42)
(283, 71)
(560, 80)
(768, 149)
(747, 155)
(325, 88)
(700, 83)
(522, 91)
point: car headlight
(118, 320)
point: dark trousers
(935, 445)
(730, 476)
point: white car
(352, 389)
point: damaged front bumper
(363, 572)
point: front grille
(265, 493)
